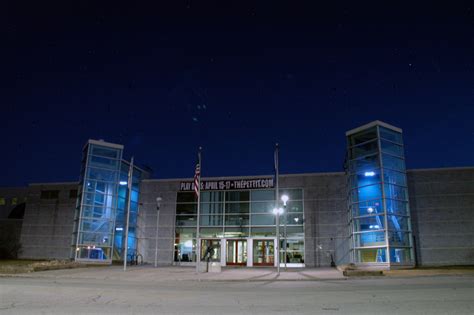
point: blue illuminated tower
(99, 226)
(379, 215)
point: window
(391, 135)
(49, 194)
(211, 220)
(363, 136)
(14, 201)
(186, 197)
(186, 209)
(237, 196)
(366, 148)
(263, 195)
(212, 196)
(2, 201)
(105, 152)
(293, 194)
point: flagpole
(277, 194)
(198, 241)
(130, 177)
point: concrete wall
(442, 210)
(150, 190)
(11, 217)
(326, 229)
(48, 223)
(8, 193)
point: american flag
(197, 174)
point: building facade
(375, 214)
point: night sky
(234, 78)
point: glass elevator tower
(101, 209)
(379, 213)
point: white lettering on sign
(230, 184)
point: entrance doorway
(236, 252)
(263, 252)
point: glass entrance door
(236, 252)
(263, 252)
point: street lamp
(285, 199)
(158, 205)
(277, 212)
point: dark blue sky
(234, 78)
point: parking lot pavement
(138, 291)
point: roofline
(372, 124)
(298, 174)
(241, 177)
(57, 183)
(458, 168)
(103, 143)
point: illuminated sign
(257, 183)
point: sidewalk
(174, 273)
(448, 271)
(149, 274)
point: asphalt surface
(82, 295)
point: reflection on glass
(263, 219)
(369, 223)
(236, 252)
(263, 252)
(237, 220)
(370, 239)
(391, 135)
(186, 220)
(263, 195)
(262, 207)
(211, 220)
(371, 255)
(400, 255)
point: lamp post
(277, 212)
(158, 204)
(285, 199)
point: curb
(267, 280)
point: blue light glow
(369, 174)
